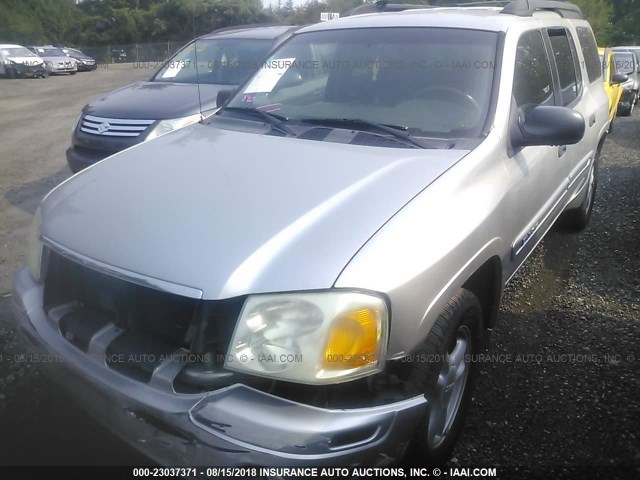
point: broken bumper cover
(236, 425)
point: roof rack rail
(383, 6)
(526, 8)
(479, 3)
(521, 8)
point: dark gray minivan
(182, 92)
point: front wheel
(445, 374)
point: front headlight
(167, 126)
(35, 247)
(312, 338)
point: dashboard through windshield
(433, 82)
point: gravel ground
(560, 383)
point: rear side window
(532, 83)
(590, 53)
(563, 53)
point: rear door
(574, 160)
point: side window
(590, 53)
(564, 56)
(532, 83)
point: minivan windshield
(50, 52)
(433, 82)
(219, 61)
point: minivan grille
(114, 127)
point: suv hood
(231, 213)
(155, 101)
(26, 60)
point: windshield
(18, 52)
(430, 81)
(219, 61)
(624, 62)
(50, 52)
(75, 53)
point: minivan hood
(27, 60)
(231, 213)
(155, 100)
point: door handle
(592, 120)
(562, 149)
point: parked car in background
(612, 80)
(308, 277)
(627, 63)
(118, 55)
(180, 93)
(18, 61)
(55, 59)
(85, 62)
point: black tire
(577, 219)
(11, 73)
(457, 330)
(625, 112)
(73, 73)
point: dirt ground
(560, 385)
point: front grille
(137, 328)
(114, 127)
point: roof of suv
(259, 32)
(478, 18)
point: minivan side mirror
(619, 78)
(548, 125)
(223, 96)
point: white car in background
(55, 59)
(18, 61)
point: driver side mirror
(223, 96)
(547, 125)
(619, 78)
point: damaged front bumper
(236, 425)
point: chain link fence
(135, 53)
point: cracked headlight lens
(313, 338)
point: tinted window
(566, 65)
(532, 84)
(590, 53)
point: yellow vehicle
(612, 82)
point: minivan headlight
(312, 338)
(167, 126)
(35, 247)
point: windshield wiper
(396, 131)
(273, 119)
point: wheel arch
(486, 284)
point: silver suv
(306, 276)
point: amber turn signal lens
(353, 340)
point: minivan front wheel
(443, 370)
